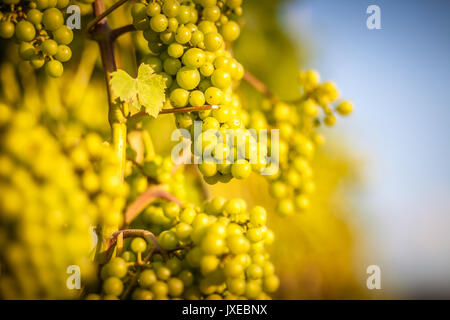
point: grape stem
(101, 16)
(101, 33)
(149, 237)
(115, 33)
(259, 86)
(176, 110)
(149, 195)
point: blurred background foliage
(314, 252)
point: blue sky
(399, 79)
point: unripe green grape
(163, 273)
(141, 294)
(61, 4)
(42, 4)
(285, 207)
(138, 245)
(221, 79)
(168, 240)
(49, 47)
(156, 47)
(209, 263)
(172, 66)
(222, 114)
(171, 8)
(344, 108)
(208, 168)
(63, 54)
(129, 256)
(152, 10)
(26, 50)
(52, 19)
(6, 29)
(176, 287)
(54, 68)
(183, 35)
(159, 23)
(197, 98)
(138, 11)
(197, 38)
(154, 62)
(188, 78)
(194, 58)
(213, 41)
(34, 16)
(211, 13)
(271, 283)
(207, 27)
(179, 98)
(118, 267)
(25, 31)
(160, 289)
(302, 202)
(113, 286)
(175, 50)
(330, 120)
(63, 35)
(37, 62)
(184, 14)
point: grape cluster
(188, 44)
(298, 138)
(38, 27)
(45, 208)
(216, 251)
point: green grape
(63, 35)
(221, 79)
(61, 4)
(118, 268)
(25, 31)
(171, 8)
(34, 16)
(42, 4)
(214, 96)
(159, 23)
(184, 14)
(54, 68)
(238, 244)
(63, 54)
(222, 114)
(207, 27)
(175, 50)
(197, 98)
(233, 268)
(129, 256)
(208, 168)
(211, 13)
(152, 10)
(147, 278)
(52, 19)
(176, 287)
(163, 273)
(271, 283)
(113, 286)
(172, 25)
(197, 38)
(154, 62)
(171, 66)
(213, 41)
(285, 207)
(258, 216)
(160, 289)
(26, 50)
(194, 58)
(141, 294)
(234, 3)
(183, 35)
(49, 47)
(168, 240)
(207, 69)
(230, 31)
(37, 62)
(138, 245)
(344, 108)
(138, 12)
(188, 78)
(179, 98)
(6, 29)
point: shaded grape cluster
(214, 251)
(38, 28)
(298, 122)
(54, 189)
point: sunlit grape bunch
(217, 251)
(38, 28)
(189, 41)
(298, 138)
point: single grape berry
(49, 47)
(63, 54)
(138, 245)
(54, 68)
(63, 35)
(25, 31)
(52, 19)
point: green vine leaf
(144, 93)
